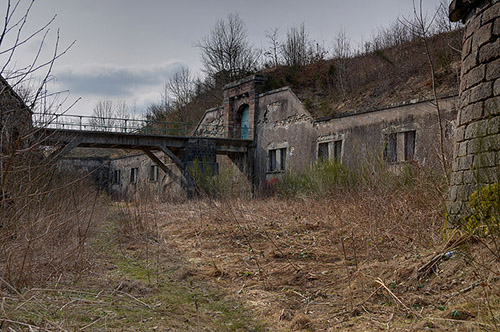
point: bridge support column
(189, 184)
(245, 163)
(164, 167)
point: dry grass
(348, 261)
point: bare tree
(341, 53)
(103, 116)
(273, 53)
(296, 46)
(421, 27)
(181, 87)
(43, 220)
(225, 52)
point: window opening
(323, 154)
(134, 172)
(409, 145)
(390, 151)
(116, 176)
(337, 151)
(276, 160)
(153, 173)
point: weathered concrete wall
(476, 159)
(283, 122)
(159, 185)
(96, 168)
(365, 134)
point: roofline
(373, 110)
(14, 93)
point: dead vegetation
(360, 260)
(370, 258)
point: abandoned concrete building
(284, 137)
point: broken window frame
(117, 176)
(276, 160)
(134, 175)
(410, 138)
(391, 148)
(399, 146)
(330, 150)
(153, 173)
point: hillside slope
(375, 79)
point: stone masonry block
(482, 144)
(471, 113)
(486, 159)
(482, 36)
(468, 177)
(496, 88)
(458, 177)
(487, 175)
(491, 143)
(462, 193)
(481, 92)
(472, 26)
(492, 106)
(489, 51)
(460, 133)
(494, 126)
(455, 208)
(453, 193)
(492, 70)
(465, 163)
(496, 27)
(469, 62)
(462, 149)
(465, 97)
(490, 14)
(466, 47)
(473, 77)
(477, 129)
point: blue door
(245, 122)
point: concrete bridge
(181, 142)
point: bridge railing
(135, 126)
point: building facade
(286, 137)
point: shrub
(485, 211)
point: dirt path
(132, 284)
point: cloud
(111, 82)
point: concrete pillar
(476, 156)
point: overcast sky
(127, 49)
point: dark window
(283, 159)
(153, 173)
(337, 151)
(409, 145)
(134, 172)
(323, 154)
(117, 174)
(272, 160)
(390, 151)
(277, 160)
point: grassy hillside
(373, 80)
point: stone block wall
(476, 156)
